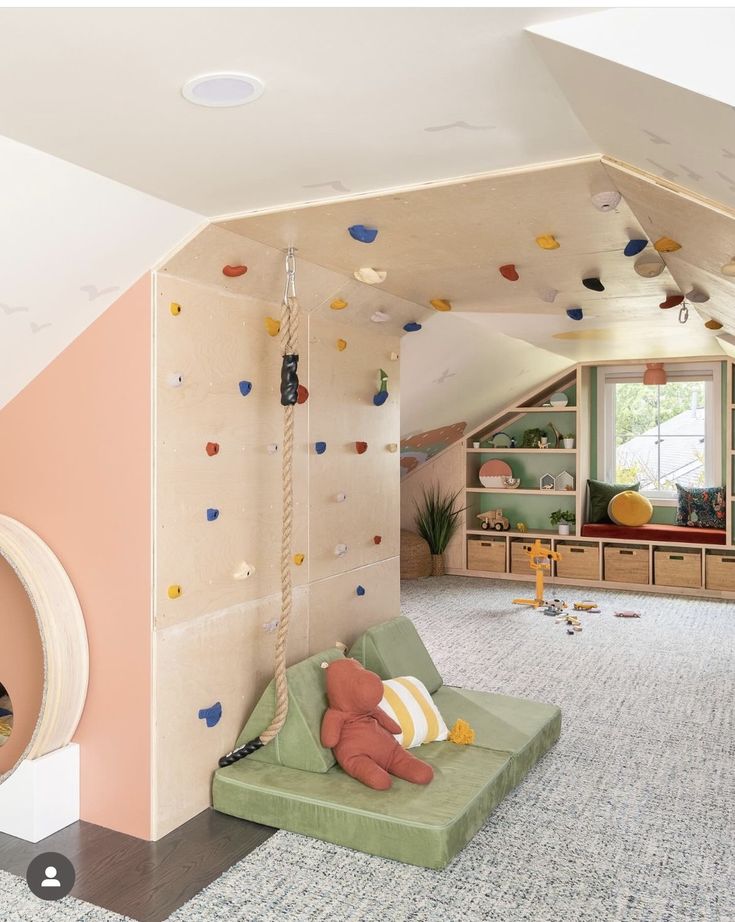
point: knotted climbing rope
(289, 396)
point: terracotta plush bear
(359, 732)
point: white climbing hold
(380, 317)
(340, 550)
(244, 571)
(549, 295)
(272, 448)
(606, 201)
(394, 356)
(392, 446)
(176, 379)
(341, 497)
(649, 266)
(370, 276)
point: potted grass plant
(568, 440)
(562, 518)
(437, 520)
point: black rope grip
(289, 380)
(240, 753)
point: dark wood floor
(146, 881)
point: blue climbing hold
(412, 327)
(575, 313)
(212, 714)
(212, 515)
(380, 398)
(320, 447)
(245, 387)
(634, 247)
(363, 234)
(360, 590)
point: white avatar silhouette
(50, 879)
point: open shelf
(566, 409)
(523, 451)
(519, 492)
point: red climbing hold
(377, 539)
(212, 448)
(302, 394)
(671, 301)
(361, 447)
(233, 272)
(509, 272)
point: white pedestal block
(42, 795)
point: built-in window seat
(678, 534)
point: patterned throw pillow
(407, 700)
(701, 507)
(600, 494)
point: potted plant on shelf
(569, 440)
(563, 518)
(437, 520)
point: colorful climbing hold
(212, 448)
(302, 394)
(233, 272)
(298, 559)
(509, 272)
(649, 266)
(593, 283)
(320, 447)
(363, 234)
(392, 446)
(380, 317)
(339, 304)
(361, 447)
(340, 550)
(412, 327)
(370, 276)
(377, 539)
(548, 242)
(671, 301)
(211, 714)
(273, 326)
(244, 571)
(212, 514)
(696, 296)
(341, 344)
(176, 379)
(441, 304)
(360, 590)
(713, 325)
(382, 394)
(666, 245)
(174, 591)
(633, 247)
(575, 313)
(174, 308)
(549, 295)
(245, 387)
(606, 201)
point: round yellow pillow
(630, 508)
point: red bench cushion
(680, 534)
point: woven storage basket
(415, 556)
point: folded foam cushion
(630, 508)
(394, 649)
(600, 494)
(408, 702)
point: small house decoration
(564, 481)
(546, 482)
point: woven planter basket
(415, 556)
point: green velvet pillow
(600, 494)
(394, 649)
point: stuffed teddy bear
(360, 733)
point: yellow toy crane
(540, 558)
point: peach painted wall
(75, 466)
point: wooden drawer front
(677, 568)
(486, 554)
(578, 561)
(626, 564)
(719, 572)
(520, 562)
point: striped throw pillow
(407, 700)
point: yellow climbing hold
(548, 242)
(273, 327)
(175, 308)
(174, 591)
(666, 245)
(338, 304)
(341, 344)
(298, 559)
(441, 304)
(462, 733)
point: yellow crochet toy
(462, 733)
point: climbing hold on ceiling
(380, 317)
(575, 313)
(233, 272)
(272, 326)
(174, 308)
(302, 394)
(392, 447)
(412, 327)
(212, 514)
(176, 379)
(666, 245)
(320, 447)
(548, 242)
(211, 714)
(361, 447)
(634, 247)
(441, 304)
(649, 266)
(377, 539)
(212, 448)
(713, 325)
(593, 283)
(509, 272)
(549, 295)
(370, 276)
(696, 296)
(174, 591)
(382, 394)
(298, 559)
(340, 550)
(671, 301)
(244, 571)
(729, 268)
(245, 387)
(341, 344)
(606, 201)
(341, 497)
(360, 590)
(362, 233)
(339, 304)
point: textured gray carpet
(18, 904)
(630, 818)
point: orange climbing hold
(302, 394)
(212, 448)
(272, 326)
(509, 272)
(175, 308)
(441, 304)
(666, 245)
(298, 559)
(713, 325)
(233, 272)
(341, 344)
(338, 304)
(361, 447)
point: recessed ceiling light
(221, 90)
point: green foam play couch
(294, 783)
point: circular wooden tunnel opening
(6, 715)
